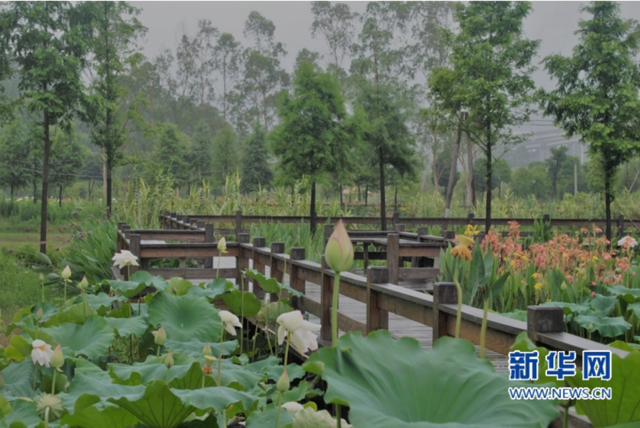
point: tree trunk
(341, 200)
(471, 190)
(11, 192)
(487, 220)
(359, 195)
(35, 183)
(109, 181)
(312, 209)
(45, 184)
(60, 197)
(104, 177)
(453, 169)
(383, 206)
(607, 203)
(395, 200)
(366, 195)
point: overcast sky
(551, 22)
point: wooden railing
(177, 221)
(544, 326)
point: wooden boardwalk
(398, 326)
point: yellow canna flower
(538, 286)
(535, 275)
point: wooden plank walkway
(398, 326)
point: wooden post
(276, 248)
(377, 319)
(134, 247)
(200, 224)
(544, 319)
(238, 223)
(396, 217)
(118, 237)
(328, 231)
(258, 242)
(620, 226)
(326, 289)
(242, 262)
(470, 218)
(422, 231)
(443, 293)
(399, 227)
(208, 238)
(187, 222)
(393, 257)
(171, 223)
(298, 284)
(448, 234)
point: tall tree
(490, 76)
(596, 95)
(201, 155)
(227, 62)
(115, 30)
(48, 43)
(263, 77)
(67, 158)
(337, 24)
(382, 95)
(554, 166)
(225, 154)
(313, 136)
(14, 151)
(256, 172)
(169, 152)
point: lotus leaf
(125, 327)
(242, 304)
(606, 326)
(91, 339)
(396, 383)
(624, 405)
(185, 317)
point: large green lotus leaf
(18, 348)
(185, 317)
(603, 303)
(233, 373)
(162, 407)
(242, 304)
(179, 286)
(76, 313)
(395, 383)
(85, 414)
(101, 302)
(624, 405)
(18, 379)
(218, 398)
(269, 284)
(607, 326)
(157, 282)
(628, 294)
(186, 374)
(24, 416)
(569, 308)
(91, 339)
(194, 347)
(214, 289)
(125, 327)
(267, 417)
(127, 288)
(272, 368)
(271, 311)
(99, 385)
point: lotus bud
(206, 351)
(283, 383)
(66, 273)
(339, 250)
(222, 245)
(210, 359)
(39, 314)
(51, 402)
(83, 284)
(159, 336)
(41, 276)
(168, 360)
(57, 359)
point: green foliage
(601, 78)
(388, 382)
(91, 251)
(67, 157)
(14, 150)
(256, 173)
(501, 173)
(225, 155)
(170, 150)
(490, 76)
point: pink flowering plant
(582, 273)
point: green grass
(15, 240)
(19, 287)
